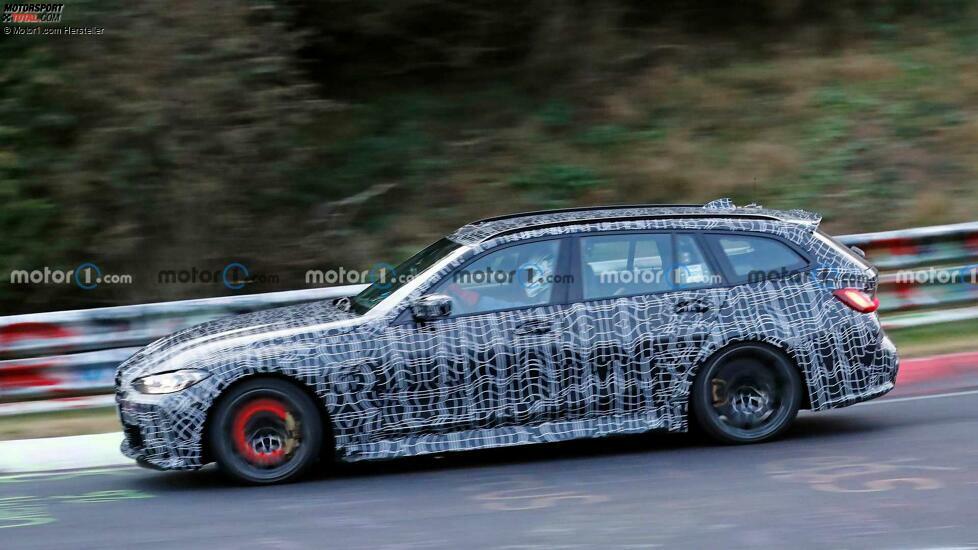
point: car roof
(481, 230)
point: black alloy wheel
(747, 394)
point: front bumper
(164, 431)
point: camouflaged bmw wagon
(529, 328)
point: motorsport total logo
(32, 13)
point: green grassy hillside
(300, 135)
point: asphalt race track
(896, 473)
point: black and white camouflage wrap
(615, 366)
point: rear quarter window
(842, 250)
(756, 258)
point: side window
(692, 269)
(756, 258)
(623, 265)
(517, 276)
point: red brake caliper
(241, 419)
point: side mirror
(857, 250)
(431, 307)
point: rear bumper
(890, 364)
(867, 395)
(872, 375)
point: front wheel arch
(329, 442)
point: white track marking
(919, 397)
(62, 453)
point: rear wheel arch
(733, 348)
(723, 422)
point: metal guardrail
(924, 268)
(918, 246)
(67, 359)
(111, 327)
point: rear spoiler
(801, 217)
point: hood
(210, 343)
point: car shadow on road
(826, 426)
(806, 428)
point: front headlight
(169, 382)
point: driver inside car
(530, 283)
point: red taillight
(857, 299)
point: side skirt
(548, 432)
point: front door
(494, 362)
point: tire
(266, 431)
(746, 394)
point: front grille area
(133, 436)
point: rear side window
(753, 258)
(631, 264)
(842, 249)
(692, 269)
(625, 265)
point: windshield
(389, 282)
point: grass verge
(936, 339)
(59, 423)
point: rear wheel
(747, 394)
(266, 431)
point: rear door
(646, 301)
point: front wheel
(266, 431)
(747, 394)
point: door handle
(692, 306)
(534, 326)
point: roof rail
(582, 209)
(682, 215)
